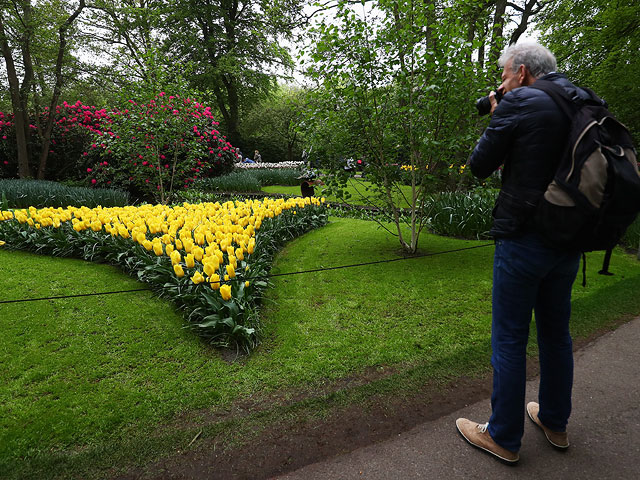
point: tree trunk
(526, 12)
(497, 33)
(291, 141)
(57, 87)
(225, 86)
(20, 117)
(231, 87)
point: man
(526, 136)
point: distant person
(239, 154)
(350, 165)
(257, 157)
(248, 160)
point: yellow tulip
(225, 292)
(177, 268)
(189, 260)
(197, 278)
(208, 269)
(147, 245)
(231, 271)
(175, 257)
(215, 281)
(239, 254)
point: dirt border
(288, 446)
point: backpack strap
(559, 95)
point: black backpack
(595, 193)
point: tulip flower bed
(210, 259)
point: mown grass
(93, 385)
(359, 192)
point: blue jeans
(528, 276)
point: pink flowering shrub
(152, 149)
(74, 127)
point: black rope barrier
(74, 296)
(262, 277)
(375, 262)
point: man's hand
(493, 101)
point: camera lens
(483, 104)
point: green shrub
(249, 180)
(278, 176)
(238, 181)
(461, 214)
(16, 193)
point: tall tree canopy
(235, 45)
(597, 44)
(125, 36)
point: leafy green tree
(275, 125)
(34, 38)
(597, 45)
(397, 85)
(236, 47)
(492, 24)
(125, 35)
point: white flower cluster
(270, 165)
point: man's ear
(522, 75)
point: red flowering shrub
(74, 127)
(155, 148)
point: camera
(484, 104)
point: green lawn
(358, 189)
(93, 385)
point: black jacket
(527, 136)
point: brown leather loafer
(478, 436)
(557, 439)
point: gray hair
(536, 58)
